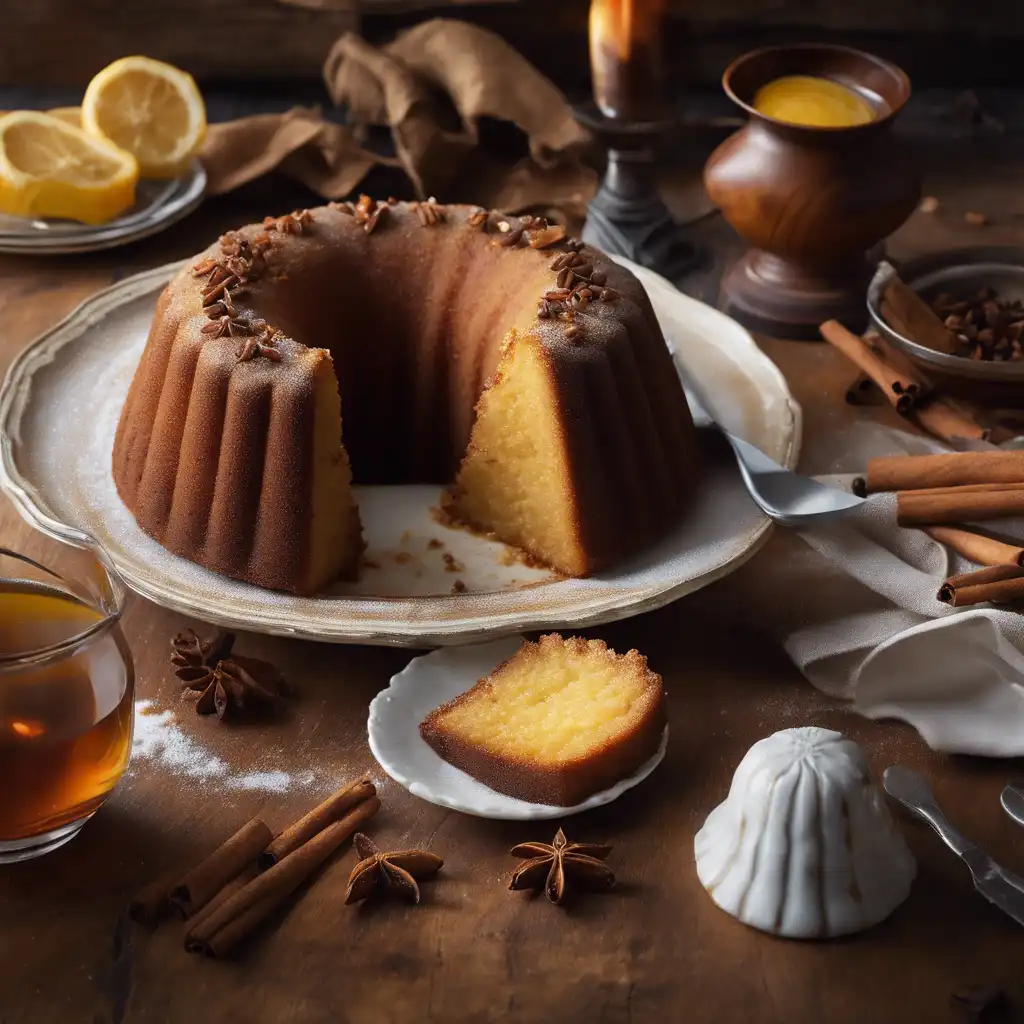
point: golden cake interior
(556, 723)
(555, 702)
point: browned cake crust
(604, 764)
(409, 305)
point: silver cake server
(1012, 800)
(785, 496)
(996, 884)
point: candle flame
(29, 730)
(612, 24)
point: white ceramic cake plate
(424, 684)
(59, 406)
(158, 204)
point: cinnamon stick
(205, 880)
(241, 913)
(990, 574)
(957, 505)
(863, 391)
(976, 546)
(239, 882)
(999, 584)
(949, 422)
(914, 472)
(903, 387)
(964, 489)
(316, 820)
(907, 313)
(150, 904)
(860, 488)
(895, 357)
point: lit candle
(625, 58)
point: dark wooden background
(64, 42)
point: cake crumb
(405, 538)
(403, 557)
(451, 563)
(509, 556)
(458, 587)
(441, 516)
(975, 218)
(929, 204)
(434, 544)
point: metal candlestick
(628, 217)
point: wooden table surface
(654, 949)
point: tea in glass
(66, 702)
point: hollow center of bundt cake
(414, 333)
(552, 709)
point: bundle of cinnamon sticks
(904, 386)
(937, 493)
(229, 893)
(886, 373)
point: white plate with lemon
(118, 168)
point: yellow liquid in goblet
(813, 102)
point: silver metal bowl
(961, 273)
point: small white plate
(158, 204)
(424, 684)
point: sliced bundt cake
(557, 722)
(402, 343)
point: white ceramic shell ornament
(804, 845)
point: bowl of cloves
(959, 317)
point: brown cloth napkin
(398, 86)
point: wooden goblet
(811, 201)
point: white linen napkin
(853, 602)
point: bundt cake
(557, 722)
(402, 343)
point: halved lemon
(49, 168)
(73, 115)
(151, 109)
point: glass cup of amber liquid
(66, 697)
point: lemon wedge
(73, 115)
(151, 109)
(49, 168)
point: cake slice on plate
(556, 723)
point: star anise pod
(224, 306)
(227, 327)
(394, 873)
(205, 267)
(242, 685)
(222, 684)
(556, 866)
(240, 266)
(193, 657)
(254, 348)
(220, 281)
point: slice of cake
(557, 722)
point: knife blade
(1012, 799)
(1000, 887)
